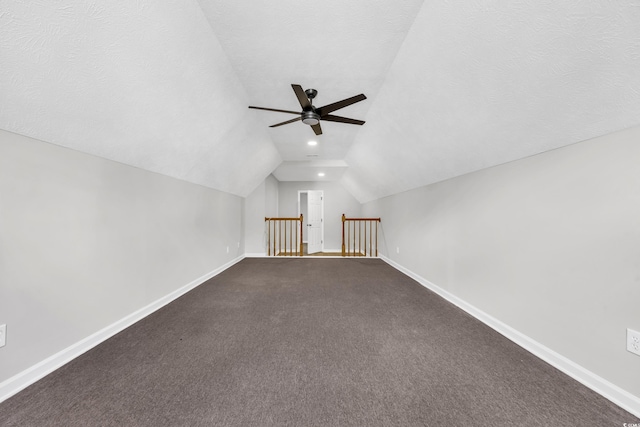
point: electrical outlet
(3, 335)
(633, 341)
(227, 249)
(397, 249)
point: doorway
(311, 206)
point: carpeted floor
(309, 342)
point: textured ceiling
(481, 83)
(145, 83)
(452, 87)
(340, 48)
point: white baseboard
(38, 371)
(615, 394)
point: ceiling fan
(311, 115)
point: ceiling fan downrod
(311, 93)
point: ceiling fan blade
(274, 109)
(302, 97)
(286, 123)
(317, 129)
(323, 111)
(332, 118)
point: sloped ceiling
(144, 83)
(452, 87)
(481, 83)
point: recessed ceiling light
(313, 143)
(320, 173)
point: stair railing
(360, 236)
(284, 236)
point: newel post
(301, 246)
(268, 224)
(343, 220)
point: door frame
(321, 214)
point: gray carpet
(300, 342)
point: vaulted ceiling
(452, 87)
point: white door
(314, 222)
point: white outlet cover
(633, 341)
(3, 335)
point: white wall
(85, 242)
(254, 213)
(337, 200)
(548, 245)
(271, 196)
(261, 203)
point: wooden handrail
(357, 228)
(359, 219)
(283, 219)
(275, 240)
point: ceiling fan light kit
(311, 115)
(310, 118)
